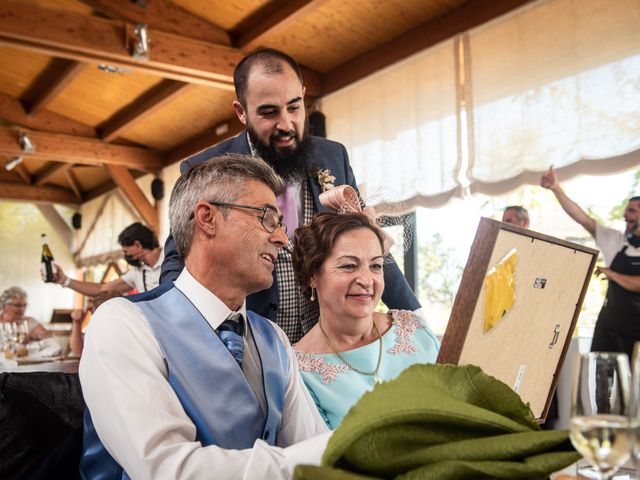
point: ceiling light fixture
(140, 48)
(13, 163)
(27, 144)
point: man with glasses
(270, 103)
(175, 381)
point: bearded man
(270, 103)
(618, 325)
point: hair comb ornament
(344, 199)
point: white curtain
(553, 84)
(556, 82)
(399, 126)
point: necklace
(374, 373)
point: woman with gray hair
(13, 303)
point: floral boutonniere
(325, 179)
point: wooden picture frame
(526, 348)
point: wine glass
(600, 411)
(634, 414)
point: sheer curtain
(556, 82)
(400, 127)
(553, 84)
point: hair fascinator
(345, 199)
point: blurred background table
(66, 365)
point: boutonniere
(325, 179)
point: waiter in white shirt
(185, 382)
(618, 325)
(141, 250)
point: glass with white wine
(600, 410)
(634, 427)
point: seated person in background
(13, 303)
(141, 250)
(185, 382)
(339, 260)
(516, 215)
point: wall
(21, 225)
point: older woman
(13, 303)
(339, 260)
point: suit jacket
(326, 155)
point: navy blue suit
(326, 155)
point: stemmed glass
(600, 410)
(634, 414)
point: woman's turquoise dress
(336, 388)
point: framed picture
(517, 307)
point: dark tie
(231, 333)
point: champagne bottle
(47, 261)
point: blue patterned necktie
(231, 333)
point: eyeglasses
(269, 219)
(18, 305)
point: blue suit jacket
(326, 155)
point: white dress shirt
(141, 422)
(611, 241)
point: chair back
(41, 423)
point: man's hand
(59, 275)
(549, 180)
(603, 271)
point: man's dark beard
(292, 164)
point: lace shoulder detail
(308, 362)
(405, 325)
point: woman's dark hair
(313, 243)
(139, 232)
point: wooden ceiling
(99, 117)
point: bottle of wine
(47, 261)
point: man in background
(141, 250)
(270, 103)
(618, 324)
(516, 215)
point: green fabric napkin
(441, 422)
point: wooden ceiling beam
(48, 92)
(142, 107)
(84, 38)
(71, 35)
(69, 149)
(24, 173)
(274, 17)
(469, 15)
(204, 140)
(162, 15)
(74, 183)
(12, 110)
(50, 171)
(31, 193)
(135, 195)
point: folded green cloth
(441, 422)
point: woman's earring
(313, 294)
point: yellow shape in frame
(500, 290)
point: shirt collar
(251, 147)
(210, 306)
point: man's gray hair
(11, 293)
(218, 179)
